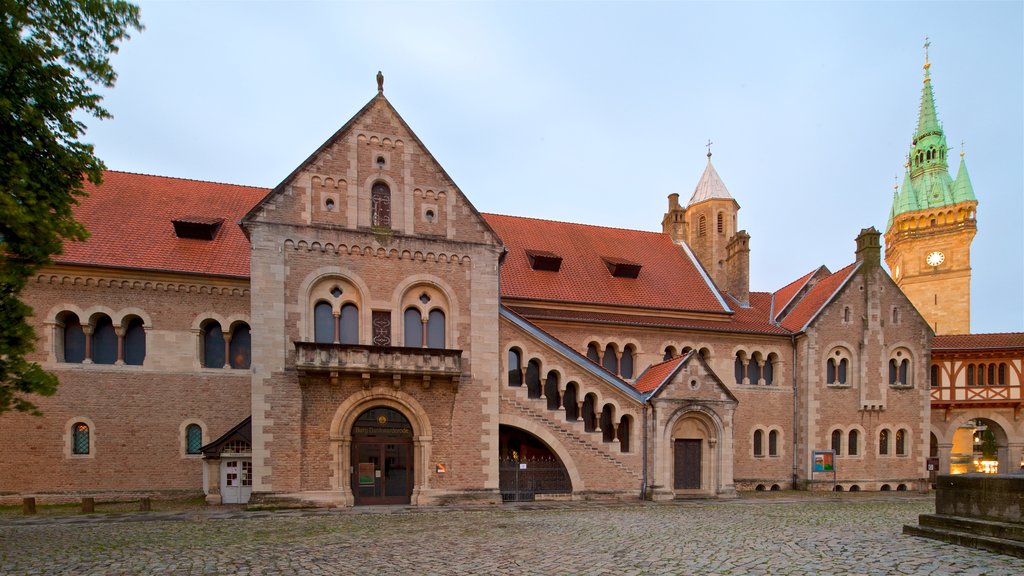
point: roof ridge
(185, 179)
(651, 232)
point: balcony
(428, 364)
(976, 395)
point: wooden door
(687, 457)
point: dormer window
(544, 261)
(621, 268)
(197, 227)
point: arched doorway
(382, 457)
(979, 445)
(695, 461)
(527, 467)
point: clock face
(935, 258)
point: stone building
(361, 334)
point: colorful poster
(366, 473)
(824, 461)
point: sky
(595, 112)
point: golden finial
(961, 148)
(895, 182)
(927, 64)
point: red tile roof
(668, 278)
(815, 299)
(747, 320)
(129, 218)
(783, 296)
(656, 374)
(978, 341)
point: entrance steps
(1001, 537)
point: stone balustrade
(368, 361)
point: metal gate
(521, 480)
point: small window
(754, 372)
(901, 442)
(104, 341)
(1002, 374)
(551, 391)
(623, 433)
(435, 329)
(853, 443)
(80, 439)
(323, 323)
(970, 374)
(349, 324)
(702, 226)
(670, 353)
(241, 346)
(74, 339)
(193, 439)
(773, 443)
(992, 374)
(737, 368)
(769, 370)
(758, 440)
(626, 364)
(380, 200)
(721, 224)
(610, 361)
(515, 368)
(846, 314)
(883, 443)
(213, 345)
(936, 376)
(134, 342)
(533, 379)
(837, 442)
(592, 353)
(413, 328)
(842, 370)
(904, 372)
(830, 371)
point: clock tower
(931, 225)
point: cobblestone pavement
(798, 535)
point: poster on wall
(366, 473)
(824, 461)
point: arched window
(769, 370)
(551, 391)
(883, 442)
(589, 418)
(721, 223)
(702, 226)
(626, 364)
(901, 442)
(240, 348)
(623, 433)
(593, 354)
(893, 379)
(74, 339)
(533, 379)
(515, 367)
(134, 342)
(435, 329)
(413, 328)
(758, 441)
(837, 442)
(1002, 373)
(830, 371)
(753, 371)
(670, 353)
(104, 341)
(607, 428)
(213, 345)
(970, 374)
(895, 315)
(572, 409)
(853, 443)
(936, 376)
(737, 368)
(193, 439)
(846, 314)
(773, 443)
(349, 324)
(842, 370)
(992, 374)
(80, 438)
(981, 374)
(323, 323)
(904, 372)
(610, 361)
(380, 201)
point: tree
(53, 55)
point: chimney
(869, 247)
(674, 221)
(738, 267)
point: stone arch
(404, 291)
(708, 426)
(309, 289)
(553, 443)
(341, 437)
(118, 319)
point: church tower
(931, 226)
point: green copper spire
(927, 183)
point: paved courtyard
(799, 534)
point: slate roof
(816, 298)
(129, 218)
(669, 278)
(709, 186)
(978, 341)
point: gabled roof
(978, 341)
(783, 296)
(709, 186)
(241, 431)
(130, 222)
(669, 277)
(815, 300)
(657, 374)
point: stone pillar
(87, 330)
(213, 496)
(227, 349)
(119, 331)
(945, 449)
(1014, 453)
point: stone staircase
(1000, 537)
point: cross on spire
(708, 145)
